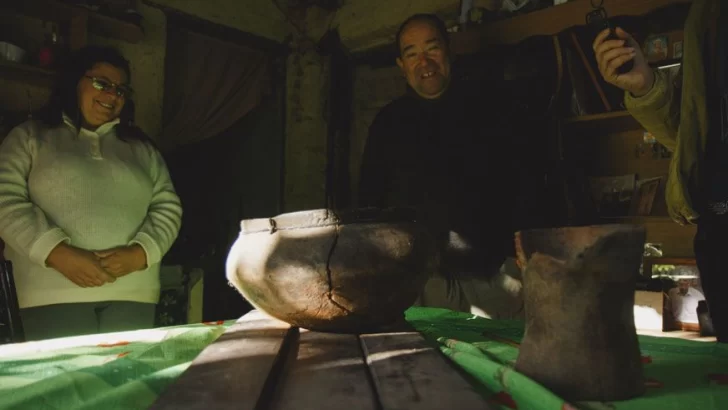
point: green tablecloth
(126, 370)
(680, 374)
(129, 370)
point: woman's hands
(611, 54)
(92, 269)
(122, 260)
(79, 266)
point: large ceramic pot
(349, 272)
(579, 285)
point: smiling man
(443, 149)
(424, 58)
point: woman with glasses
(87, 207)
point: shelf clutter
(45, 31)
(27, 74)
(548, 21)
(129, 30)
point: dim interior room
(263, 108)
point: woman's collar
(101, 130)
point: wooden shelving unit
(547, 21)
(670, 261)
(604, 123)
(636, 219)
(597, 117)
(100, 24)
(19, 80)
(676, 240)
(26, 74)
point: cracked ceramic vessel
(351, 272)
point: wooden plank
(232, 372)
(597, 117)
(26, 74)
(77, 33)
(670, 261)
(411, 374)
(328, 372)
(676, 240)
(598, 125)
(547, 21)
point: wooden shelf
(597, 117)
(676, 240)
(635, 219)
(548, 21)
(26, 74)
(603, 123)
(54, 10)
(659, 260)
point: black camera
(598, 21)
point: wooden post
(77, 33)
(579, 285)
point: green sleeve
(658, 111)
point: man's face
(424, 59)
(683, 286)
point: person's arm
(164, 217)
(659, 110)
(651, 96)
(23, 225)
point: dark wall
(233, 176)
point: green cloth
(680, 374)
(128, 370)
(124, 370)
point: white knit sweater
(91, 190)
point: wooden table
(263, 363)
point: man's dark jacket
(454, 160)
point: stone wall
(306, 130)
(366, 24)
(374, 87)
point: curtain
(222, 139)
(226, 178)
(209, 85)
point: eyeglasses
(122, 91)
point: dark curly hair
(429, 18)
(64, 97)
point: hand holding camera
(611, 54)
(619, 57)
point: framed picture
(613, 195)
(677, 49)
(657, 48)
(644, 196)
